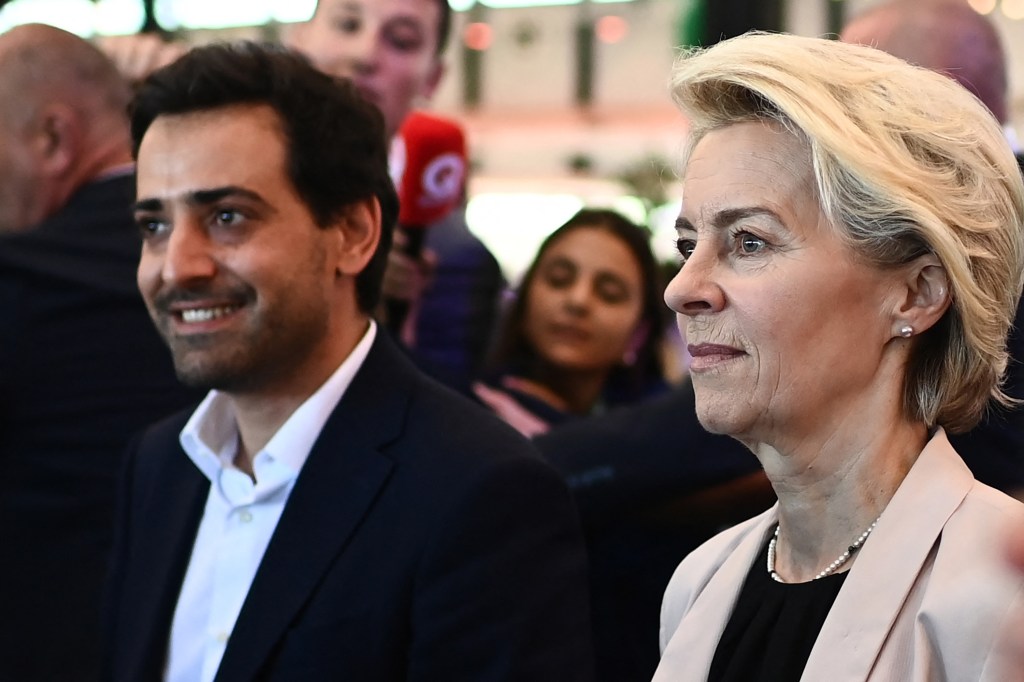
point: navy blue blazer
(424, 540)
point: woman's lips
(568, 332)
(705, 356)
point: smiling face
(787, 328)
(387, 47)
(584, 303)
(238, 278)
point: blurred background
(564, 101)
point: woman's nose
(695, 289)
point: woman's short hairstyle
(905, 162)
(511, 350)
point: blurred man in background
(81, 368)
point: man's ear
(925, 296)
(56, 136)
(359, 230)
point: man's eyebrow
(148, 205)
(202, 197)
(728, 216)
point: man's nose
(188, 256)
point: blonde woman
(852, 247)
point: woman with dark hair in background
(584, 331)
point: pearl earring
(906, 331)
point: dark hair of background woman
(512, 351)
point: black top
(773, 627)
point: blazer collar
(172, 510)
(691, 649)
(874, 591)
(889, 564)
(337, 486)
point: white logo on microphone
(442, 179)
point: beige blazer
(923, 602)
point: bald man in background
(952, 38)
(81, 367)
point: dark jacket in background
(81, 370)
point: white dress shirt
(240, 515)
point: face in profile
(236, 274)
(785, 324)
(387, 47)
(584, 303)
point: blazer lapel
(172, 513)
(888, 565)
(337, 486)
(689, 653)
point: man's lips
(367, 93)
(196, 314)
(204, 314)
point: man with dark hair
(81, 368)
(327, 512)
(392, 50)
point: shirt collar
(210, 437)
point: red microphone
(428, 162)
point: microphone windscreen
(434, 169)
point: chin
(720, 417)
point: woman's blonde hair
(906, 162)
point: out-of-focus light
(1012, 9)
(461, 5)
(478, 35)
(290, 11)
(119, 17)
(611, 29)
(982, 6)
(509, 4)
(512, 226)
(74, 16)
(662, 222)
(174, 14)
(631, 207)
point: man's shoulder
(458, 428)
(161, 437)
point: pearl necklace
(832, 567)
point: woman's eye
(685, 248)
(559, 274)
(750, 244)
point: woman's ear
(359, 231)
(926, 296)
